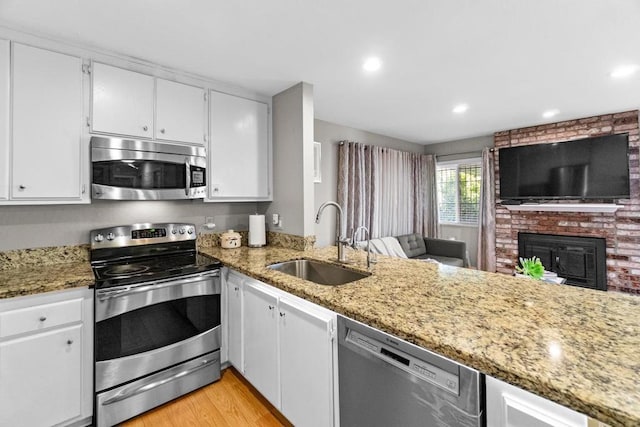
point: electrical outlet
(275, 219)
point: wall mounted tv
(590, 168)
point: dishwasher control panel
(408, 363)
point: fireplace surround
(580, 260)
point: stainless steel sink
(318, 272)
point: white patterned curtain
(487, 215)
(388, 191)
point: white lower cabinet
(261, 341)
(306, 365)
(233, 297)
(287, 350)
(46, 359)
(510, 406)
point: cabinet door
(47, 125)
(239, 153)
(306, 365)
(180, 112)
(4, 119)
(260, 342)
(509, 406)
(234, 311)
(122, 102)
(41, 378)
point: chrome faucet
(340, 240)
(353, 244)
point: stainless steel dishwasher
(385, 381)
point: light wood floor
(228, 402)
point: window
(459, 191)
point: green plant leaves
(531, 267)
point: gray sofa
(450, 252)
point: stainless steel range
(157, 314)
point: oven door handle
(187, 167)
(127, 393)
(154, 286)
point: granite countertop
(33, 271)
(577, 347)
(29, 280)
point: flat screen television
(590, 168)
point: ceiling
(509, 60)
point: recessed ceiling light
(624, 71)
(550, 113)
(372, 64)
(460, 108)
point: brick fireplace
(621, 230)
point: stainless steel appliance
(124, 169)
(385, 381)
(157, 314)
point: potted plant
(531, 267)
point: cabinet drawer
(40, 317)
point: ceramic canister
(230, 239)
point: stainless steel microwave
(124, 169)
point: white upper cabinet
(4, 118)
(47, 154)
(122, 102)
(181, 112)
(126, 102)
(239, 149)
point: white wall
(456, 150)
(329, 134)
(23, 227)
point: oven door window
(140, 174)
(156, 326)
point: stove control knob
(174, 231)
(190, 230)
(98, 238)
(182, 231)
(111, 236)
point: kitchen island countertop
(575, 346)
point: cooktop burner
(125, 270)
(152, 268)
(146, 252)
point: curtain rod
(468, 152)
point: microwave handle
(187, 168)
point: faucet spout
(340, 240)
(354, 246)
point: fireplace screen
(580, 260)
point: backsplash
(43, 256)
(282, 240)
(18, 258)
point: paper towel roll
(257, 236)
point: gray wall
(24, 227)
(293, 160)
(456, 150)
(329, 134)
